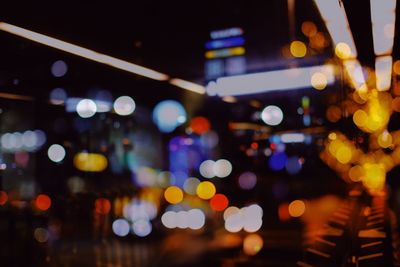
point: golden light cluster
(382, 151)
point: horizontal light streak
(287, 79)
(218, 34)
(222, 43)
(226, 52)
(293, 138)
(194, 87)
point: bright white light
(142, 228)
(182, 219)
(86, 108)
(17, 140)
(234, 223)
(56, 153)
(354, 72)
(29, 139)
(293, 138)
(272, 115)
(83, 52)
(169, 219)
(383, 18)
(262, 82)
(124, 105)
(120, 227)
(230, 211)
(207, 168)
(247, 218)
(59, 68)
(140, 210)
(383, 71)
(222, 168)
(196, 219)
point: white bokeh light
(142, 228)
(56, 153)
(222, 168)
(124, 105)
(272, 115)
(86, 108)
(207, 169)
(120, 227)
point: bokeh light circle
(124, 105)
(205, 190)
(272, 115)
(297, 208)
(121, 227)
(56, 153)
(173, 195)
(247, 180)
(86, 108)
(219, 202)
(207, 168)
(168, 115)
(222, 168)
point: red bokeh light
(200, 125)
(102, 206)
(219, 202)
(3, 198)
(43, 202)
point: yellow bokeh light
(360, 118)
(356, 173)
(319, 81)
(206, 190)
(343, 51)
(343, 154)
(385, 139)
(374, 176)
(334, 146)
(90, 162)
(332, 136)
(297, 208)
(173, 195)
(298, 49)
(308, 28)
(252, 244)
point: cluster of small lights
(220, 168)
(193, 219)
(135, 215)
(247, 218)
(29, 141)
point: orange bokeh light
(43, 202)
(219, 202)
(3, 198)
(200, 125)
(102, 206)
